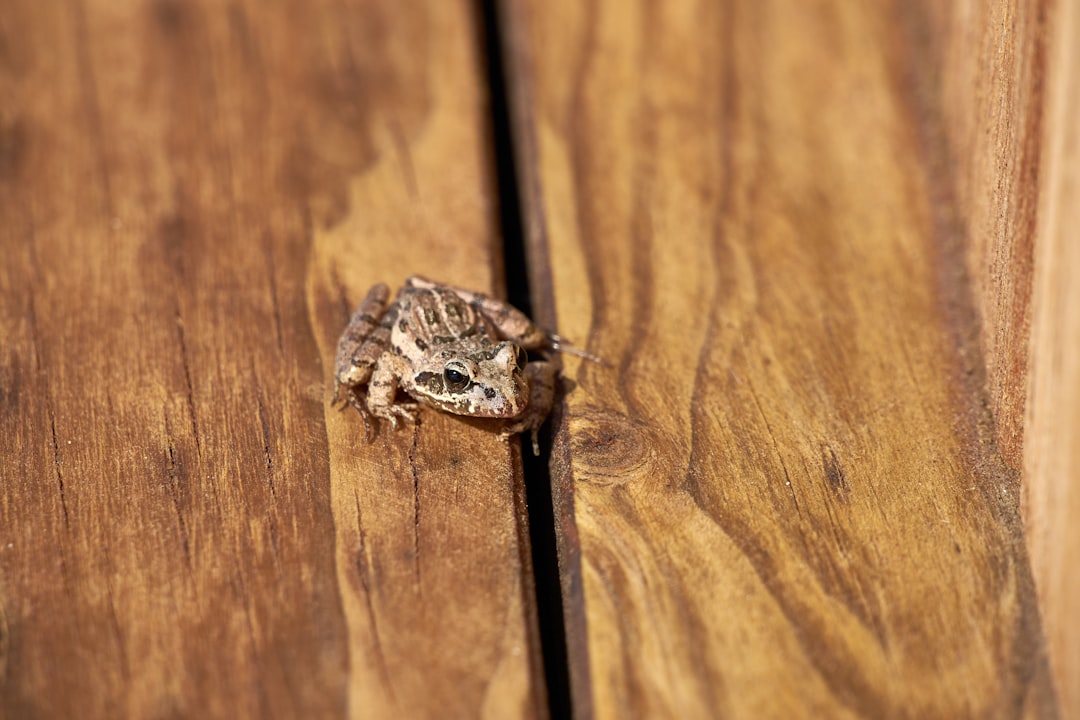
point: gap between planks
(536, 474)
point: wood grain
(1004, 105)
(192, 194)
(979, 69)
(433, 551)
(787, 497)
(1052, 442)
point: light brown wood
(787, 497)
(1004, 104)
(979, 68)
(1052, 442)
(192, 196)
(433, 553)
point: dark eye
(455, 378)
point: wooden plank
(1007, 104)
(1052, 442)
(785, 499)
(433, 550)
(980, 67)
(192, 195)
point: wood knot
(610, 448)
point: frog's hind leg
(417, 281)
(382, 391)
(515, 326)
(541, 376)
(509, 322)
(365, 339)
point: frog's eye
(456, 376)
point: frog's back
(436, 316)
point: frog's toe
(396, 413)
(523, 425)
(528, 423)
(344, 396)
(534, 432)
(355, 400)
(406, 411)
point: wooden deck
(828, 250)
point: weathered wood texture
(433, 550)
(787, 498)
(192, 195)
(1052, 439)
(998, 107)
(999, 114)
(978, 69)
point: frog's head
(483, 380)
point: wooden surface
(812, 239)
(979, 70)
(1052, 442)
(192, 196)
(787, 498)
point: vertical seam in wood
(528, 277)
(955, 296)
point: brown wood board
(786, 498)
(978, 73)
(193, 195)
(1052, 432)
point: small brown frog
(451, 349)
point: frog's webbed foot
(396, 412)
(528, 422)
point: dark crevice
(182, 337)
(174, 475)
(59, 472)
(537, 476)
(416, 507)
(264, 424)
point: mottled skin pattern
(451, 349)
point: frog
(450, 349)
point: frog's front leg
(541, 376)
(382, 391)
